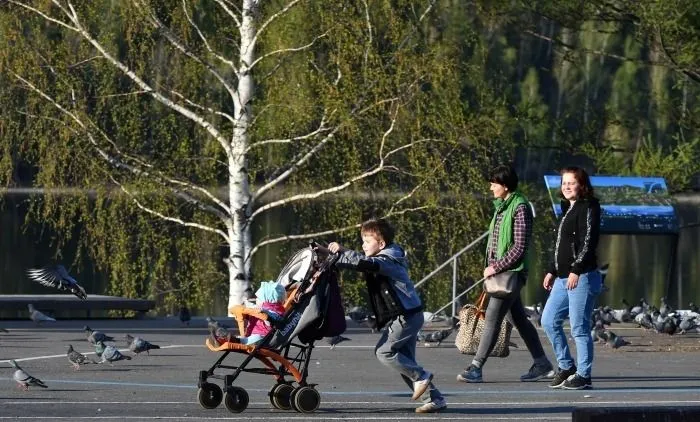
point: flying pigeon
(110, 353)
(57, 277)
(77, 358)
(24, 380)
(94, 336)
(184, 315)
(138, 345)
(333, 341)
(38, 316)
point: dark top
(577, 238)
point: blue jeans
(397, 349)
(578, 305)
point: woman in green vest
(509, 241)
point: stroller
(313, 310)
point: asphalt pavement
(654, 371)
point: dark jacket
(577, 238)
(391, 291)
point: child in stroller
(271, 296)
(312, 310)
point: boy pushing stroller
(397, 307)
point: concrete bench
(65, 304)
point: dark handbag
(502, 285)
(471, 326)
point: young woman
(574, 280)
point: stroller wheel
(209, 395)
(305, 399)
(280, 396)
(236, 399)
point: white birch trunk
(239, 190)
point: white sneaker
(420, 386)
(433, 407)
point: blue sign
(629, 204)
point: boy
(396, 306)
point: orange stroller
(312, 311)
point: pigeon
(58, 278)
(693, 308)
(3, 330)
(435, 337)
(664, 310)
(110, 353)
(24, 380)
(138, 345)
(536, 315)
(184, 315)
(687, 324)
(333, 341)
(38, 316)
(77, 358)
(598, 332)
(94, 336)
(217, 329)
(615, 341)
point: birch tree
(345, 93)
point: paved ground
(654, 371)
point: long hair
(586, 188)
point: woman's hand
(548, 281)
(489, 271)
(572, 281)
(335, 247)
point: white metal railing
(453, 260)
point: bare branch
(369, 35)
(124, 94)
(169, 218)
(204, 108)
(321, 128)
(286, 50)
(271, 19)
(204, 39)
(159, 178)
(71, 66)
(206, 125)
(327, 232)
(45, 16)
(225, 6)
(187, 52)
(279, 179)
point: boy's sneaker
(420, 386)
(577, 382)
(537, 372)
(471, 374)
(561, 376)
(437, 405)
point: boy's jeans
(578, 304)
(397, 349)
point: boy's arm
(354, 260)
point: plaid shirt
(522, 232)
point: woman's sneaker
(577, 382)
(471, 374)
(561, 376)
(537, 372)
